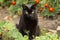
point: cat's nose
(31, 15)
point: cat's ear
(24, 6)
(34, 6)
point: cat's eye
(32, 12)
(26, 12)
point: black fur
(29, 21)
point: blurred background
(48, 19)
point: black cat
(29, 21)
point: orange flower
(13, 3)
(37, 1)
(46, 5)
(51, 9)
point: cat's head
(29, 11)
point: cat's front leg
(22, 32)
(30, 35)
(37, 31)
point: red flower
(13, 3)
(37, 1)
(51, 9)
(46, 5)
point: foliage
(17, 7)
(52, 3)
(48, 36)
(10, 32)
(45, 11)
(4, 3)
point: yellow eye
(26, 12)
(32, 12)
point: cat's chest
(30, 23)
